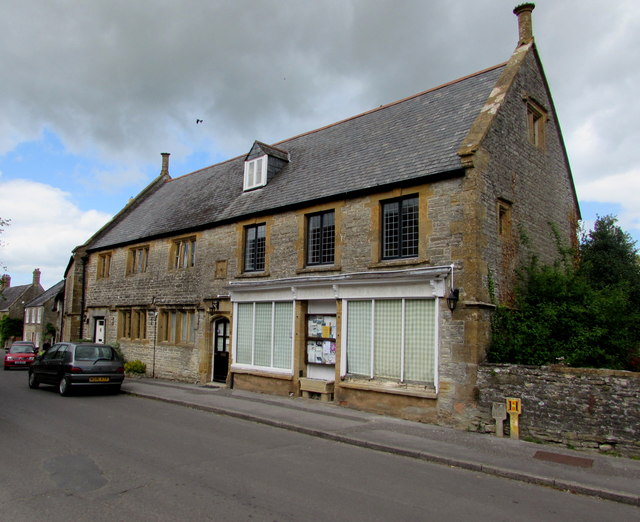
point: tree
(9, 328)
(581, 311)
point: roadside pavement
(580, 472)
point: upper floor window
(138, 258)
(536, 121)
(184, 253)
(254, 248)
(104, 265)
(400, 228)
(255, 173)
(321, 242)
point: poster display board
(321, 339)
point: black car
(71, 365)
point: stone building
(14, 298)
(42, 317)
(360, 261)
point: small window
(536, 121)
(400, 229)
(104, 265)
(138, 259)
(254, 248)
(255, 173)
(321, 238)
(184, 253)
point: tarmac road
(103, 457)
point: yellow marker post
(514, 408)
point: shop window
(400, 230)
(264, 337)
(321, 238)
(392, 339)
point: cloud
(118, 81)
(45, 227)
(621, 189)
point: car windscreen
(92, 353)
(25, 348)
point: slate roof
(413, 138)
(42, 299)
(10, 295)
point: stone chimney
(5, 281)
(36, 277)
(525, 28)
(165, 164)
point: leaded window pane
(400, 231)
(255, 245)
(321, 239)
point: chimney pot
(5, 281)
(525, 27)
(36, 277)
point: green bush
(582, 311)
(136, 367)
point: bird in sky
(199, 121)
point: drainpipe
(84, 260)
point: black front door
(221, 350)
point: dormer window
(255, 173)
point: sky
(93, 92)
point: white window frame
(372, 375)
(253, 366)
(255, 173)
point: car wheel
(33, 381)
(64, 387)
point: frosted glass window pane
(419, 340)
(359, 337)
(282, 337)
(244, 334)
(388, 339)
(262, 335)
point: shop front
(355, 338)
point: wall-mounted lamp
(452, 299)
(214, 306)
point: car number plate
(98, 379)
(20, 362)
